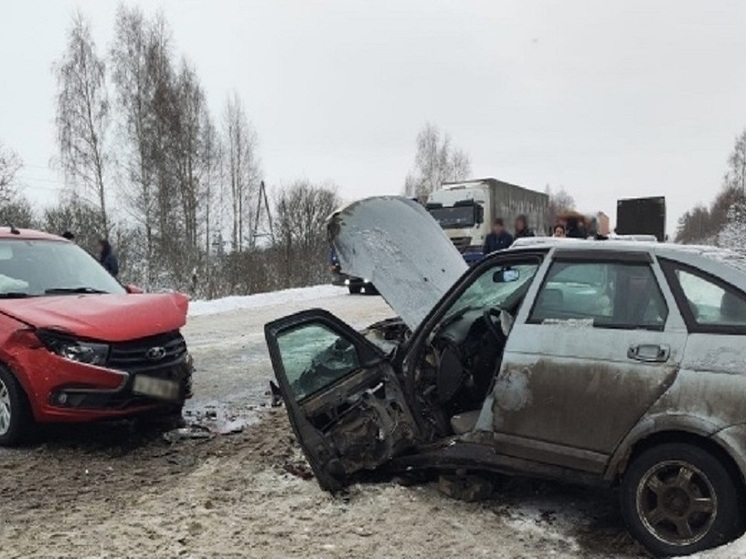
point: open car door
(344, 399)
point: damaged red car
(76, 345)
(599, 362)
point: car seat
(732, 308)
(549, 303)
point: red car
(75, 345)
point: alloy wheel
(676, 502)
(5, 408)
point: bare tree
(301, 211)
(146, 99)
(10, 164)
(436, 162)
(83, 117)
(559, 201)
(243, 169)
(735, 177)
(135, 91)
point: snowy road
(226, 339)
(105, 491)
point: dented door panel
(343, 397)
(568, 386)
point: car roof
(727, 264)
(28, 235)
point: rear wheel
(16, 421)
(678, 499)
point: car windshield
(457, 216)
(493, 288)
(39, 267)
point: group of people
(106, 255)
(500, 238)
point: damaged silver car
(593, 362)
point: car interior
(465, 349)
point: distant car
(75, 345)
(594, 362)
(354, 285)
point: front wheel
(16, 421)
(679, 499)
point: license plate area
(153, 387)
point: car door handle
(649, 353)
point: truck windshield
(457, 216)
(39, 267)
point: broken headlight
(91, 353)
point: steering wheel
(492, 320)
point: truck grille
(155, 352)
(461, 243)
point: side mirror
(506, 275)
(478, 214)
(133, 289)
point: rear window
(712, 304)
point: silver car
(589, 361)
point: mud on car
(75, 345)
(620, 363)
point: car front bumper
(61, 390)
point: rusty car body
(588, 361)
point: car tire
(16, 421)
(354, 289)
(678, 499)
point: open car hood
(394, 243)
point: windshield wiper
(15, 295)
(63, 290)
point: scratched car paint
(609, 362)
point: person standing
(559, 231)
(521, 227)
(107, 257)
(576, 229)
(499, 239)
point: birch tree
(243, 170)
(83, 118)
(436, 161)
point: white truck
(466, 210)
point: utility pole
(263, 200)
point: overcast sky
(608, 99)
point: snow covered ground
(102, 491)
(262, 300)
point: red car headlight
(91, 353)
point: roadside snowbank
(734, 550)
(247, 302)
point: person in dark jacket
(521, 227)
(499, 239)
(576, 229)
(107, 258)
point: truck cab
(460, 211)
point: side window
(711, 303)
(315, 357)
(608, 294)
